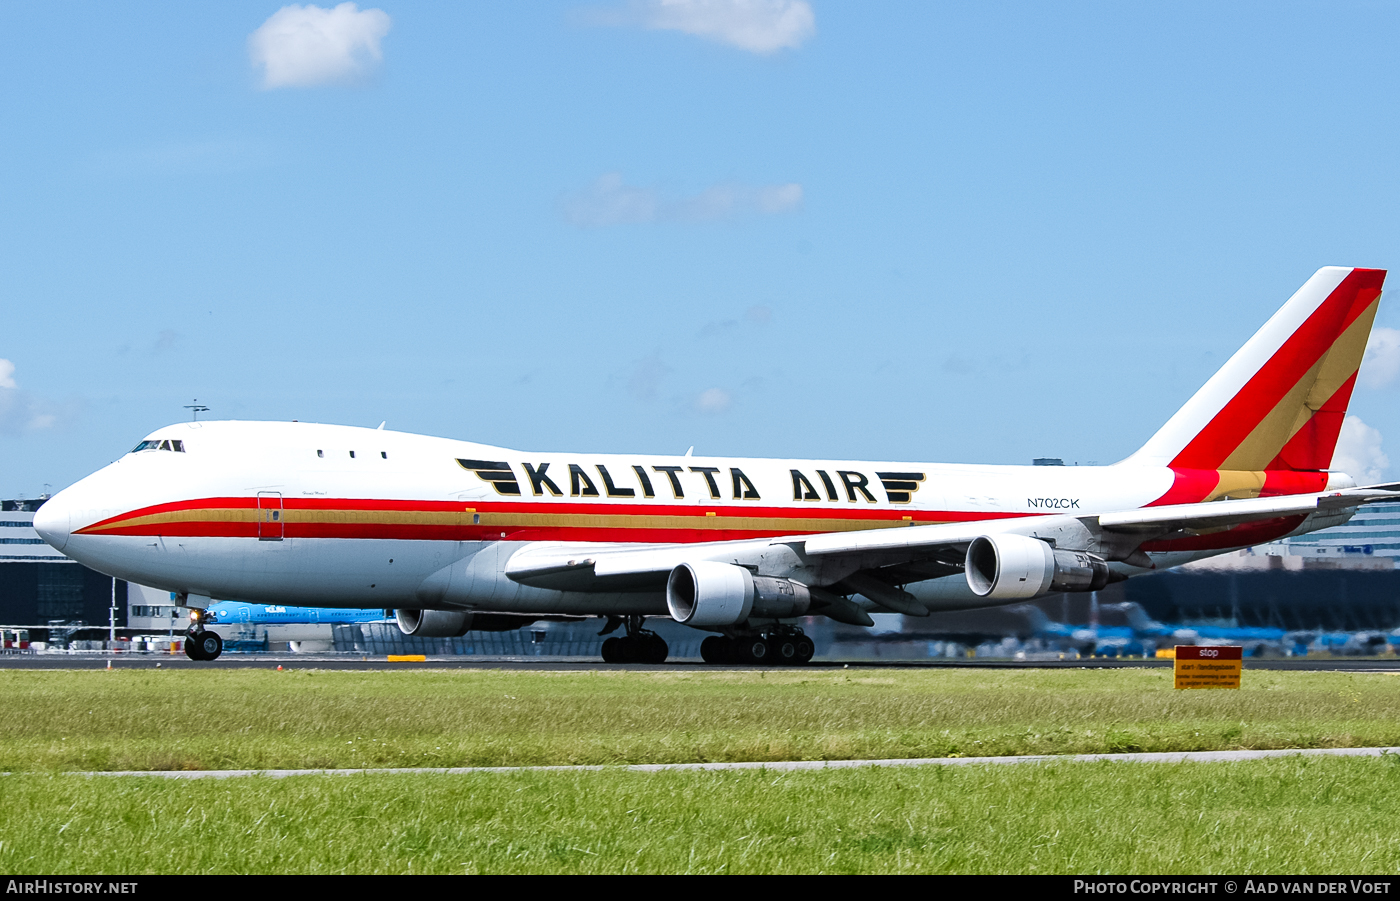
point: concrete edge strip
(781, 765)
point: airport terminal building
(39, 587)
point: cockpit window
(168, 445)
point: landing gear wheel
(611, 652)
(192, 649)
(716, 649)
(752, 650)
(210, 645)
(655, 649)
(783, 649)
(805, 649)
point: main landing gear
(202, 643)
(637, 646)
(788, 647)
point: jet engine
(434, 623)
(456, 623)
(1012, 567)
(722, 594)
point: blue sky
(936, 232)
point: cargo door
(269, 516)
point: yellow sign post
(1208, 667)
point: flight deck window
(166, 445)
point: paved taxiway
(580, 664)
(784, 765)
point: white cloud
(757, 315)
(713, 400)
(759, 26)
(19, 411)
(300, 46)
(166, 340)
(608, 201)
(1381, 364)
(180, 158)
(647, 376)
(1359, 453)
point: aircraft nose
(51, 521)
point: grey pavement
(780, 765)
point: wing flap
(913, 537)
(1218, 514)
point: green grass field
(233, 719)
(1270, 816)
(1290, 815)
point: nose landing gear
(202, 643)
(639, 645)
(786, 647)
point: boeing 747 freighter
(456, 535)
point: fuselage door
(269, 516)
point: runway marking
(782, 765)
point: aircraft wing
(592, 566)
(903, 554)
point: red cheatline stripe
(1189, 486)
(588, 528)
(1214, 443)
(1279, 482)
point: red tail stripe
(1314, 444)
(1225, 432)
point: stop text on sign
(1208, 667)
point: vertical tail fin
(1279, 402)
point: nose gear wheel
(202, 643)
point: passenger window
(383, 455)
(352, 455)
(320, 453)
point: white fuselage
(339, 516)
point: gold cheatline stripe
(708, 523)
(517, 520)
(1308, 394)
(211, 514)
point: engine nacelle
(434, 623)
(722, 594)
(456, 623)
(1013, 567)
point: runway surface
(781, 765)
(99, 660)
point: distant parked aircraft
(234, 612)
